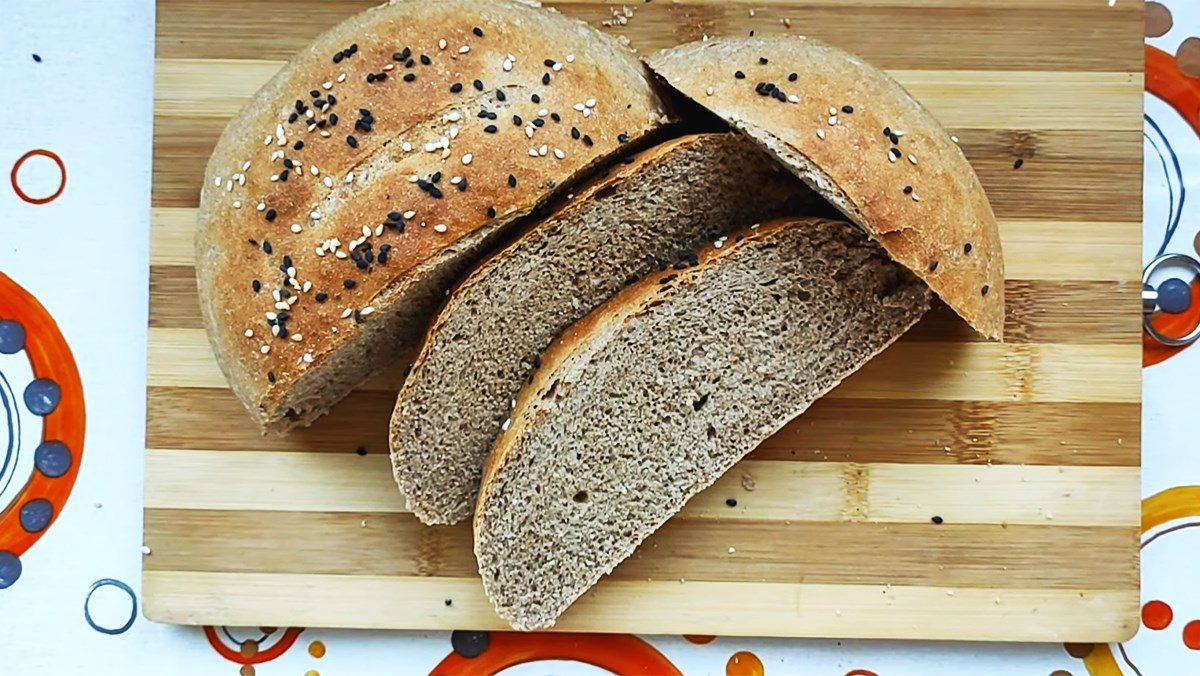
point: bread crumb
(732, 550)
(748, 483)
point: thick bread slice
(370, 171)
(867, 146)
(650, 398)
(650, 213)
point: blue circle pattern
(36, 515)
(1174, 296)
(42, 396)
(12, 337)
(10, 569)
(109, 582)
(52, 458)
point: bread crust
(921, 201)
(353, 188)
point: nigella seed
(351, 141)
(349, 283)
(500, 95)
(512, 181)
(456, 88)
(793, 77)
(322, 296)
(477, 31)
(266, 247)
(409, 77)
(739, 75)
(270, 215)
(478, 85)
(491, 129)
(967, 247)
(517, 120)
(545, 78)
(425, 61)
(256, 285)
(984, 290)
(535, 98)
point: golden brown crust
(579, 342)
(926, 207)
(356, 188)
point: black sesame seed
(887, 132)
(462, 185)
(500, 95)
(517, 120)
(333, 119)
(354, 48)
(908, 190)
(491, 129)
(337, 58)
(366, 113)
(933, 266)
(1018, 163)
(512, 181)
(793, 77)
(270, 214)
(370, 77)
(535, 98)
(778, 93)
(322, 296)
(478, 33)
(349, 283)
(622, 138)
(283, 175)
(549, 63)
(397, 56)
(266, 247)
(456, 88)
(762, 60)
(435, 177)
(405, 54)
(351, 141)
(937, 520)
(37, 58)
(292, 118)
(847, 109)
(894, 139)
(538, 122)
(732, 502)
(491, 212)
(271, 374)
(299, 145)
(555, 117)
(481, 114)
(409, 63)
(739, 75)
(394, 215)
(287, 263)
(332, 100)
(448, 602)
(288, 163)
(478, 85)
(313, 93)
(575, 133)
(409, 77)
(425, 61)
(545, 78)
(256, 285)
(321, 124)
(587, 140)
(361, 264)
(967, 247)
(984, 290)
(380, 77)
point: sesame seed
(821, 133)
(559, 153)
(933, 265)
(409, 214)
(347, 312)
(464, 49)
(893, 154)
(847, 109)
(709, 91)
(833, 120)
(442, 44)
(590, 103)
(915, 196)
(297, 337)
(249, 333)
(265, 349)
(954, 138)
(237, 204)
(296, 228)
(739, 75)
(908, 190)
(351, 141)
(793, 98)
(1018, 163)
(367, 310)
(984, 290)
(512, 181)
(440, 227)
(912, 159)
(477, 31)
(967, 247)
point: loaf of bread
(376, 166)
(858, 138)
(653, 396)
(647, 214)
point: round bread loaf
(376, 166)
(857, 137)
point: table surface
(96, 539)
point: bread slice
(376, 166)
(653, 396)
(485, 343)
(864, 143)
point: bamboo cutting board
(1028, 451)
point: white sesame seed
(315, 215)
(579, 107)
(751, 11)
(832, 110)
(466, 159)
(406, 146)
(954, 138)
(587, 112)
(245, 165)
(217, 181)
(431, 147)
(507, 65)
(229, 185)
(453, 135)
(274, 177)
(833, 120)
(341, 78)
(731, 549)
(366, 231)
(307, 286)
(275, 330)
(347, 312)
(528, 131)
(320, 251)
(261, 206)
(453, 116)
(327, 85)
(408, 214)
(249, 333)
(912, 159)
(350, 177)
(308, 358)
(556, 67)
(296, 228)
(279, 131)
(542, 150)
(559, 153)
(533, 152)
(735, 117)
(379, 230)
(390, 66)
(464, 49)
(328, 182)
(275, 295)
(267, 140)
(271, 316)
(916, 197)
(312, 168)
(792, 98)
(570, 58)
(265, 349)
(237, 204)
(297, 337)
(366, 311)
(821, 133)
(590, 103)
(441, 44)
(281, 305)
(339, 254)
(506, 424)
(898, 133)
(709, 91)
(445, 153)
(440, 227)
(893, 154)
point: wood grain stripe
(650, 607)
(219, 87)
(767, 552)
(935, 35)
(837, 430)
(797, 491)
(908, 370)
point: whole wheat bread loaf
(665, 203)
(653, 396)
(380, 163)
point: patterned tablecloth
(74, 224)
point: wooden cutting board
(1028, 451)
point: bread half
(863, 142)
(653, 396)
(647, 214)
(376, 166)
